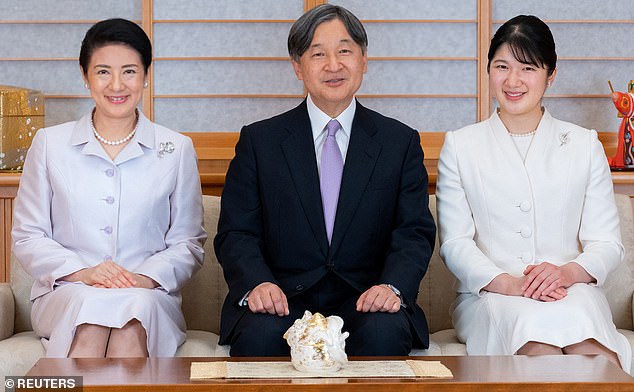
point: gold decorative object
(317, 343)
(21, 115)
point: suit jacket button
(299, 287)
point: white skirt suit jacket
(76, 208)
(498, 213)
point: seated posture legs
(98, 341)
(587, 347)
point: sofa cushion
(204, 294)
(437, 289)
(448, 342)
(19, 353)
(434, 349)
(619, 285)
(21, 283)
(629, 334)
(7, 302)
(198, 344)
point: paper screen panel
(411, 9)
(228, 9)
(422, 39)
(226, 77)
(69, 9)
(564, 10)
(420, 77)
(41, 40)
(59, 111)
(427, 115)
(217, 114)
(221, 39)
(50, 77)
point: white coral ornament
(317, 343)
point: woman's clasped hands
(542, 282)
(545, 282)
(110, 275)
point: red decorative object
(624, 103)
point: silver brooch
(167, 147)
(563, 138)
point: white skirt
(496, 324)
(56, 315)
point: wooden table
(471, 373)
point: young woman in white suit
(527, 217)
(108, 217)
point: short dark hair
(529, 40)
(301, 34)
(115, 31)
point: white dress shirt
(318, 122)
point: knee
(132, 328)
(128, 341)
(380, 334)
(538, 348)
(260, 335)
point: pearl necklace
(114, 142)
(531, 133)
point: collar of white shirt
(319, 119)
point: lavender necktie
(330, 178)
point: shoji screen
(423, 60)
(222, 64)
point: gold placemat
(354, 369)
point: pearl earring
(549, 83)
(145, 84)
(86, 86)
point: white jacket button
(525, 206)
(526, 232)
(527, 257)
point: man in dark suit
(325, 208)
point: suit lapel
(299, 152)
(363, 152)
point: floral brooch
(563, 138)
(165, 148)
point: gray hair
(301, 34)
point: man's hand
(268, 298)
(379, 298)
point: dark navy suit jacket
(271, 226)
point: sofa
(204, 294)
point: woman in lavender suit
(108, 216)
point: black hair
(529, 40)
(301, 34)
(115, 31)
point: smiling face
(518, 87)
(332, 68)
(115, 75)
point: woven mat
(354, 369)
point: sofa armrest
(7, 311)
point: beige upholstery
(203, 297)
